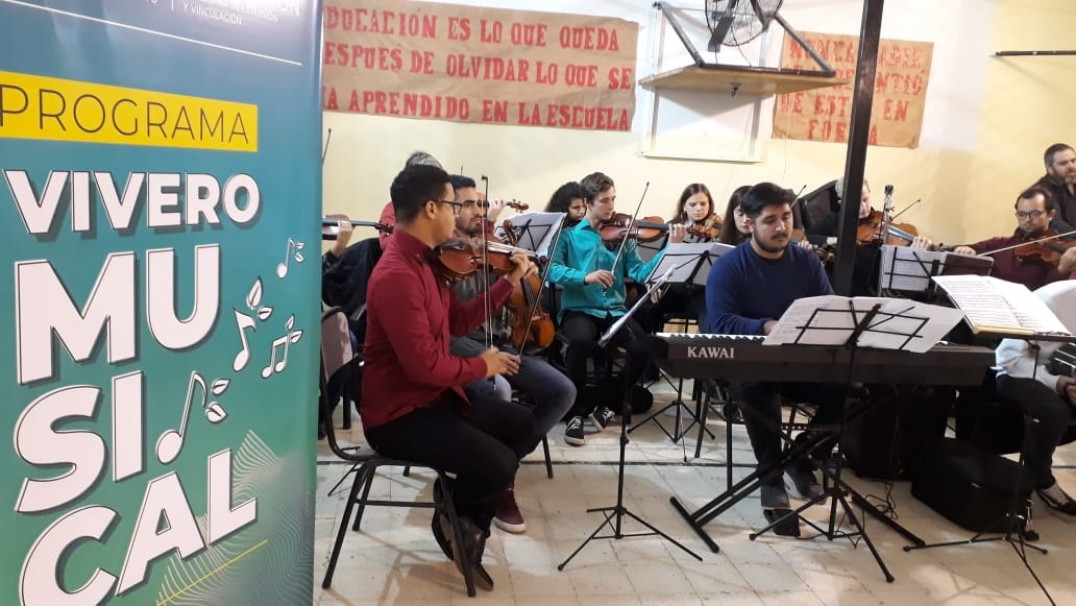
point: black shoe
(474, 545)
(442, 533)
(1057, 499)
(805, 483)
(773, 496)
(601, 417)
(789, 525)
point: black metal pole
(869, 36)
(1036, 53)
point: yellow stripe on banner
(205, 576)
(55, 109)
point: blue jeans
(551, 391)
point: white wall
(528, 163)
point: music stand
(614, 515)
(534, 231)
(852, 323)
(687, 264)
(908, 269)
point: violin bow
(485, 271)
(624, 241)
(1053, 237)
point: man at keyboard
(748, 289)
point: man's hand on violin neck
(523, 267)
(500, 363)
(604, 277)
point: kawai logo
(712, 353)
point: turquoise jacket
(581, 251)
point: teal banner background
(106, 482)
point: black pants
(763, 399)
(483, 448)
(583, 331)
(1050, 415)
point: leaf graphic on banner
(264, 313)
(289, 323)
(254, 297)
(295, 336)
(219, 386)
(215, 413)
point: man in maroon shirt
(1035, 208)
(413, 404)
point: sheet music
(535, 230)
(831, 320)
(910, 269)
(995, 305)
(683, 258)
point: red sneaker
(506, 514)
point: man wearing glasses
(1035, 209)
(550, 390)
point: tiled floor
(394, 559)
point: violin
(870, 229)
(824, 252)
(1047, 249)
(710, 229)
(529, 322)
(329, 227)
(459, 258)
(647, 229)
(517, 205)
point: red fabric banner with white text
(825, 114)
(474, 64)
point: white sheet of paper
(831, 319)
(994, 305)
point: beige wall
(966, 194)
(1029, 106)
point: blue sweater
(745, 290)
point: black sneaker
(773, 496)
(573, 432)
(805, 483)
(601, 417)
(1057, 499)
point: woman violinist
(696, 211)
(869, 236)
(568, 199)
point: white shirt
(1017, 359)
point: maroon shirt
(1008, 266)
(410, 314)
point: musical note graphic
(243, 322)
(171, 441)
(284, 342)
(292, 251)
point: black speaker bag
(971, 487)
(896, 431)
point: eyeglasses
(475, 203)
(1033, 214)
(456, 206)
